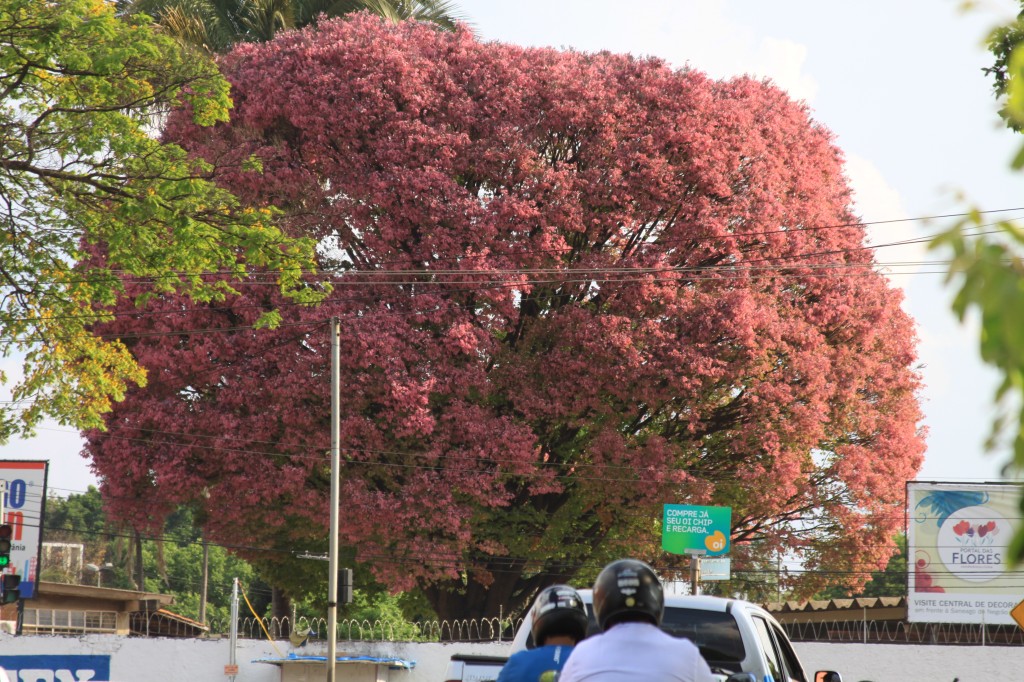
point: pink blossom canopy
(573, 287)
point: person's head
(628, 590)
(558, 611)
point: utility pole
(232, 660)
(695, 573)
(332, 576)
(204, 588)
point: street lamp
(98, 570)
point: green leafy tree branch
(987, 271)
(89, 195)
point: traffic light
(10, 593)
(6, 531)
(344, 595)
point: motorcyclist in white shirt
(629, 602)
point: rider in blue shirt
(559, 622)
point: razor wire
(382, 630)
(478, 630)
(902, 632)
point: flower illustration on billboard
(967, 533)
(972, 543)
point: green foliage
(988, 270)
(219, 25)
(176, 568)
(371, 609)
(891, 582)
(75, 517)
(80, 519)
(382, 607)
(173, 564)
(1002, 42)
(989, 275)
(88, 196)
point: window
(793, 667)
(770, 654)
(62, 622)
(715, 633)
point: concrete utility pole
(232, 659)
(204, 588)
(695, 573)
(332, 576)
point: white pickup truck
(740, 641)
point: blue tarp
(393, 663)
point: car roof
(690, 601)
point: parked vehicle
(474, 668)
(740, 641)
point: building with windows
(64, 609)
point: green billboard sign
(692, 529)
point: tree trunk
(509, 594)
(505, 587)
(281, 610)
(140, 572)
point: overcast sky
(900, 85)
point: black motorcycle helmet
(628, 590)
(559, 610)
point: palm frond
(188, 28)
(263, 19)
(218, 25)
(210, 25)
(443, 13)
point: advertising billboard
(957, 538)
(692, 529)
(23, 510)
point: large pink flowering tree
(573, 287)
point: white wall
(913, 663)
(135, 659)
(139, 659)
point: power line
(594, 274)
(117, 273)
(514, 563)
(706, 475)
(898, 514)
(824, 271)
(517, 565)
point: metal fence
(502, 629)
(900, 632)
(315, 629)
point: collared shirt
(628, 652)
